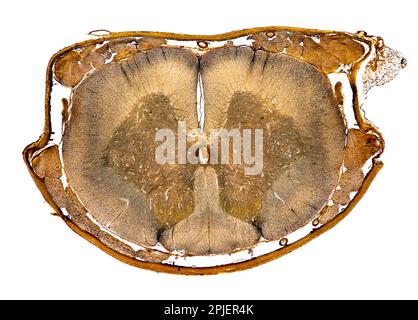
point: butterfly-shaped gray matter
(198, 209)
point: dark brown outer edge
(42, 142)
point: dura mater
(283, 70)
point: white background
(371, 254)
